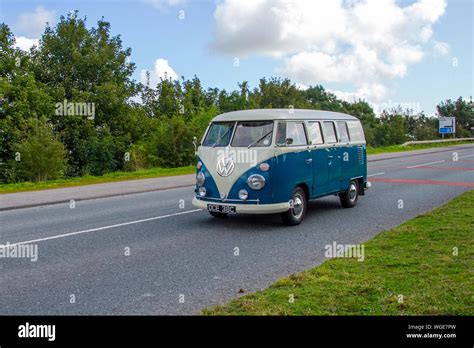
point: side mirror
(195, 144)
(288, 141)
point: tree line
(70, 107)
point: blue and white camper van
(276, 160)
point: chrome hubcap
(297, 206)
(352, 192)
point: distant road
(177, 253)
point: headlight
(243, 194)
(264, 167)
(200, 178)
(256, 181)
(202, 191)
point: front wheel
(350, 196)
(297, 210)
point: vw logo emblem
(225, 166)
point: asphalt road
(146, 254)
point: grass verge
(414, 260)
(88, 180)
(399, 148)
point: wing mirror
(195, 144)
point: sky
(410, 53)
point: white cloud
(32, 24)
(163, 5)
(441, 48)
(162, 71)
(24, 43)
(366, 43)
(366, 91)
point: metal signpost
(447, 125)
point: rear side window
(293, 130)
(343, 133)
(355, 130)
(330, 132)
(314, 133)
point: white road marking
(466, 156)
(375, 174)
(100, 228)
(425, 164)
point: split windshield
(219, 134)
(247, 134)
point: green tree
(421, 127)
(88, 66)
(40, 155)
(391, 130)
(21, 97)
(279, 93)
(462, 110)
(172, 143)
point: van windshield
(253, 133)
(219, 134)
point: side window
(330, 132)
(356, 131)
(343, 133)
(314, 133)
(293, 130)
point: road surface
(147, 253)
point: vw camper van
(275, 160)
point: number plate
(217, 208)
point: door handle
(309, 160)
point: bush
(137, 158)
(173, 144)
(40, 155)
(100, 154)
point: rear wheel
(218, 215)
(350, 196)
(297, 211)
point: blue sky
(416, 53)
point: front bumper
(247, 208)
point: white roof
(282, 114)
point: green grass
(397, 148)
(88, 180)
(414, 260)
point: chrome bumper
(247, 208)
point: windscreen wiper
(222, 136)
(259, 140)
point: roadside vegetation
(422, 267)
(400, 148)
(159, 172)
(70, 108)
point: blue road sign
(446, 130)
